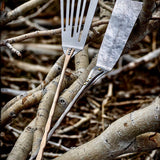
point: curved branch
(119, 136)
(20, 10)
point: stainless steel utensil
(73, 41)
(121, 23)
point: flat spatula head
(123, 18)
(73, 36)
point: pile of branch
(137, 131)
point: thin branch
(76, 125)
(103, 5)
(43, 33)
(31, 35)
(41, 9)
(54, 71)
(59, 146)
(28, 67)
(105, 101)
(12, 92)
(20, 10)
(13, 50)
(132, 65)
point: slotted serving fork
(74, 35)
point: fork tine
(77, 18)
(67, 14)
(72, 13)
(62, 15)
(90, 13)
(81, 18)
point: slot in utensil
(123, 18)
(73, 41)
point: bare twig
(33, 25)
(105, 101)
(20, 10)
(12, 92)
(76, 125)
(81, 60)
(41, 9)
(43, 33)
(51, 155)
(54, 71)
(103, 5)
(40, 49)
(13, 50)
(132, 65)
(59, 146)
(31, 35)
(28, 67)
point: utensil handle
(48, 124)
(95, 74)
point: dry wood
(81, 65)
(20, 10)
(58, 145)
(65, 95)
(76, 125)
(41, 9)
(21, 151)
(23, 145)
(66, 136)
(40, 49)
(103, 5)
(119, 136)
(105, 101)
(54, 71)
(73, 89)
(23, 37)
(154, 34)
(11, 92)
(146, 141)
(28, 67)
(140, 61)
(81, 60)
(31, 35)
(131, 102)
(64, 100)
(51, 155)
(12, 49)
(13, 79)
(12, 112)
(44, 108)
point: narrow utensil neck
(70, 51)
